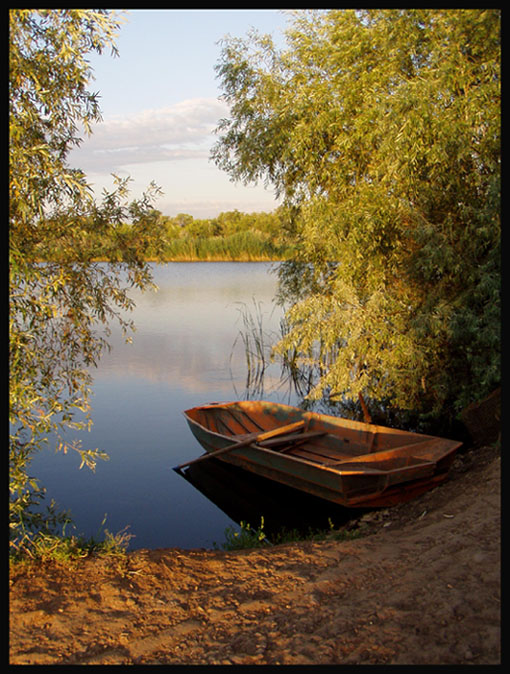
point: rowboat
(351, 463)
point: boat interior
(326, 441)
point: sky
(160, 103)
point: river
(182, 354)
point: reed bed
(245, 246)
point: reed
(258, 345)
(257, 351)
(244, 246)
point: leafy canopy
(381, 130)
(61, 297)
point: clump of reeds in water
(258, 346)
(296, 379)
(256, 351)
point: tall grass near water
(257, 343)
(243, 246)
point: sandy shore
(423, 587)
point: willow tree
(61, 298)
(381, 131)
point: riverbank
(423, 587)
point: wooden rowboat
(347, 462)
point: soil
(422, 586)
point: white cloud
(181, 131)
(170, 146)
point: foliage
(245, 538)
(45, 546)
(381, 131)
(248, 537)
(59, 297)
(231, 235)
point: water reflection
(186, 331)
(246, 497)
(180, 357)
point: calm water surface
(182, 355)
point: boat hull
(349, 463)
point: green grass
(249, 537)
(245, 538)
(242, 246)
(44, 546)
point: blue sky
(160, 103)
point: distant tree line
(231, 235)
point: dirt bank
(422, 588)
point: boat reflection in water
(246, 497)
